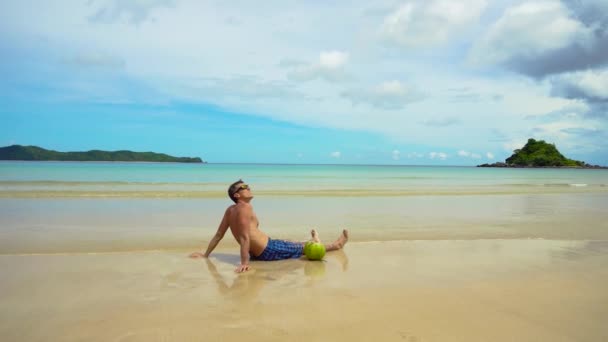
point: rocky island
(35, 153)
(538, 153)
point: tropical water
(77, 179)
(66, 207)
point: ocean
(63, 207)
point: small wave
(578, 184)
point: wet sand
(442, 290)
(119, 225)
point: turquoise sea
(98, 207)
(68, 179)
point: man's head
(239, 190)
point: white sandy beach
(483, 290)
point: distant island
(538, 153)
(18, 152)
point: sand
(435, 290)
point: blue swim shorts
(280, 250)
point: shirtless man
(244, 225)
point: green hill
(18, 152)
(538, 153)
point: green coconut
(314, 250)
(307, 247)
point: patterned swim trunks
(280, 250)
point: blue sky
(433, 82)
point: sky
(434, 82)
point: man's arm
(221, 230)
(241, 232)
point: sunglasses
(241, 187)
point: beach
(434, 254)
(482, 290)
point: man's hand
(242, 268)
(197, 255)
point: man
(244, 225)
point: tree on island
(538, 153)
(18, 152)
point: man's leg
(334, 246)
(315, 236)
(339, 243)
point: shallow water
(65, 207)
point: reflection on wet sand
(246, 287)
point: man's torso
(257, 239)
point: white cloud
(336, 154)
(396, 155)
(589, 84)
(191, 54)
(528, 30)
(438, 155)
(467, 154)
(514, 144)
(489, 155)
(330, 67)
(424, 23)
(332, 59)
(559, 130)
(389, 95)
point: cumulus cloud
(542, 38)
(388, 95)
(223, 66)
(330, 67)
(589, 11)
(396, 154)
(335, 154)
(424, 23)
(467, 154)
(438, 155)
(489, 155)
(332, 59)
(589, 88)
(571, 134)
(591, 85)
(133, 11)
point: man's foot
(315, 235)
(341, 241)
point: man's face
(243, 191)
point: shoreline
(230, 247)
